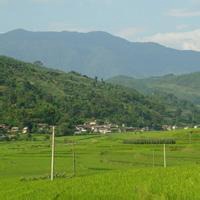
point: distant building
(197, 126)
(43, 128)
(174, 127)
(25, 130)
(94, 123)
(167, 127)
(145, 129)
(4, 128)
(14, 129)
(80, 129)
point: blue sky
(174, 23)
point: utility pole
(74, 161)
(164, 154)
(52, 153)
(153, 158)
(190, 137)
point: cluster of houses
(7, 132)
(169, 127)
(174, 127)
(12, 131)
(94, 128)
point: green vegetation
(144, 184)
(106, 168)
(186, 87)
(150, 141)
(31, 94)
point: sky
(173, 23)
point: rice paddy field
(105, 167)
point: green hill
(31, 94)
(185, 87)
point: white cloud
(183, 13)
(130, 32)
(180, 40)
(182, 26)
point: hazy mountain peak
(17, 31)
(97, 53)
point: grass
(106, 168)
(174, 183)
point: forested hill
(97, 53)
(185, 86)
(30, 94)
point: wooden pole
(153, 158)
(164, 154)
(74, 164)
(190, 135)
(74, 161)
(52, 153)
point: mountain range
(97, 54)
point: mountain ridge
(186, 86)
(97, 53)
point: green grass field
(106, 168)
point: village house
(169, 127)
(174, 127)
(43, 128)
(80, 129)
(14, 130)
(25, 130)
(145, 129)
(166, 127)
(4, 128)
(128, 129)
(103, 129)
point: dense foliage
(30, 94)
(185, 86)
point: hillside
(185, 87)
(31, 94)
(97, 53)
